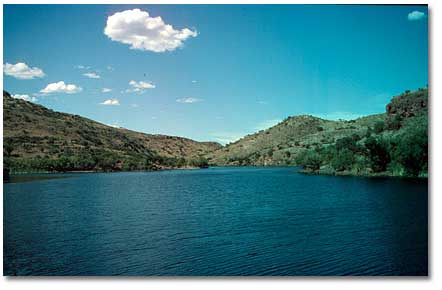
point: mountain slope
(32, 132)
(393, 143)
(280, 144)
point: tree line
(383, 149)
(96, 160)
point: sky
(213, 72)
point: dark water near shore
(216, 221)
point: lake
(216, 221)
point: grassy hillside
(41, 139)
(279, 145)
(393, 143)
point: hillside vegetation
(39, 139)
(394, 143)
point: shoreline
(367, 175)
(99, 171)
(300, 171)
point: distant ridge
(34, 134)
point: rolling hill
(392, 143)
(280, 144)
(37, 137)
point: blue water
(216, 221)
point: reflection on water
(33, 177)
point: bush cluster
(403, 153)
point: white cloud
(262, 102)
(189, 100)
(61, 87)
(25, 97)
(338, 115)
(139, 87)
(22, 71)
(227, 137)
(134, 105)
(416, 15)
(111, 102)
(194, 82)
(141, 31)
(106, 90)
(267, 124)
(110, 68)
(91, 75)
(142, 85)
(82, 67)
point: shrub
(394, 123)
(348, 143)
(412, 151)
(309, 160)
(378, 153)
(379, 127)
(343, 160)
(360, 164)
(199, 162)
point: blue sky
(213, 72)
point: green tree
(379, 126)
(343, 160)
(349, 143)
(311, 160)
(378, 153)
(394, 122)
(412, 151)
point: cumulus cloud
(194, 82)
(111, 102)
(189, 100)
(22, 71)
(61, 87)
(106, 90)
(141, 31)
(91, 75)
(416, 15)
(25, 97)
(139, 87)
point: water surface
(216, 221)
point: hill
(392, 143)
(38, 138)
(280, 144)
